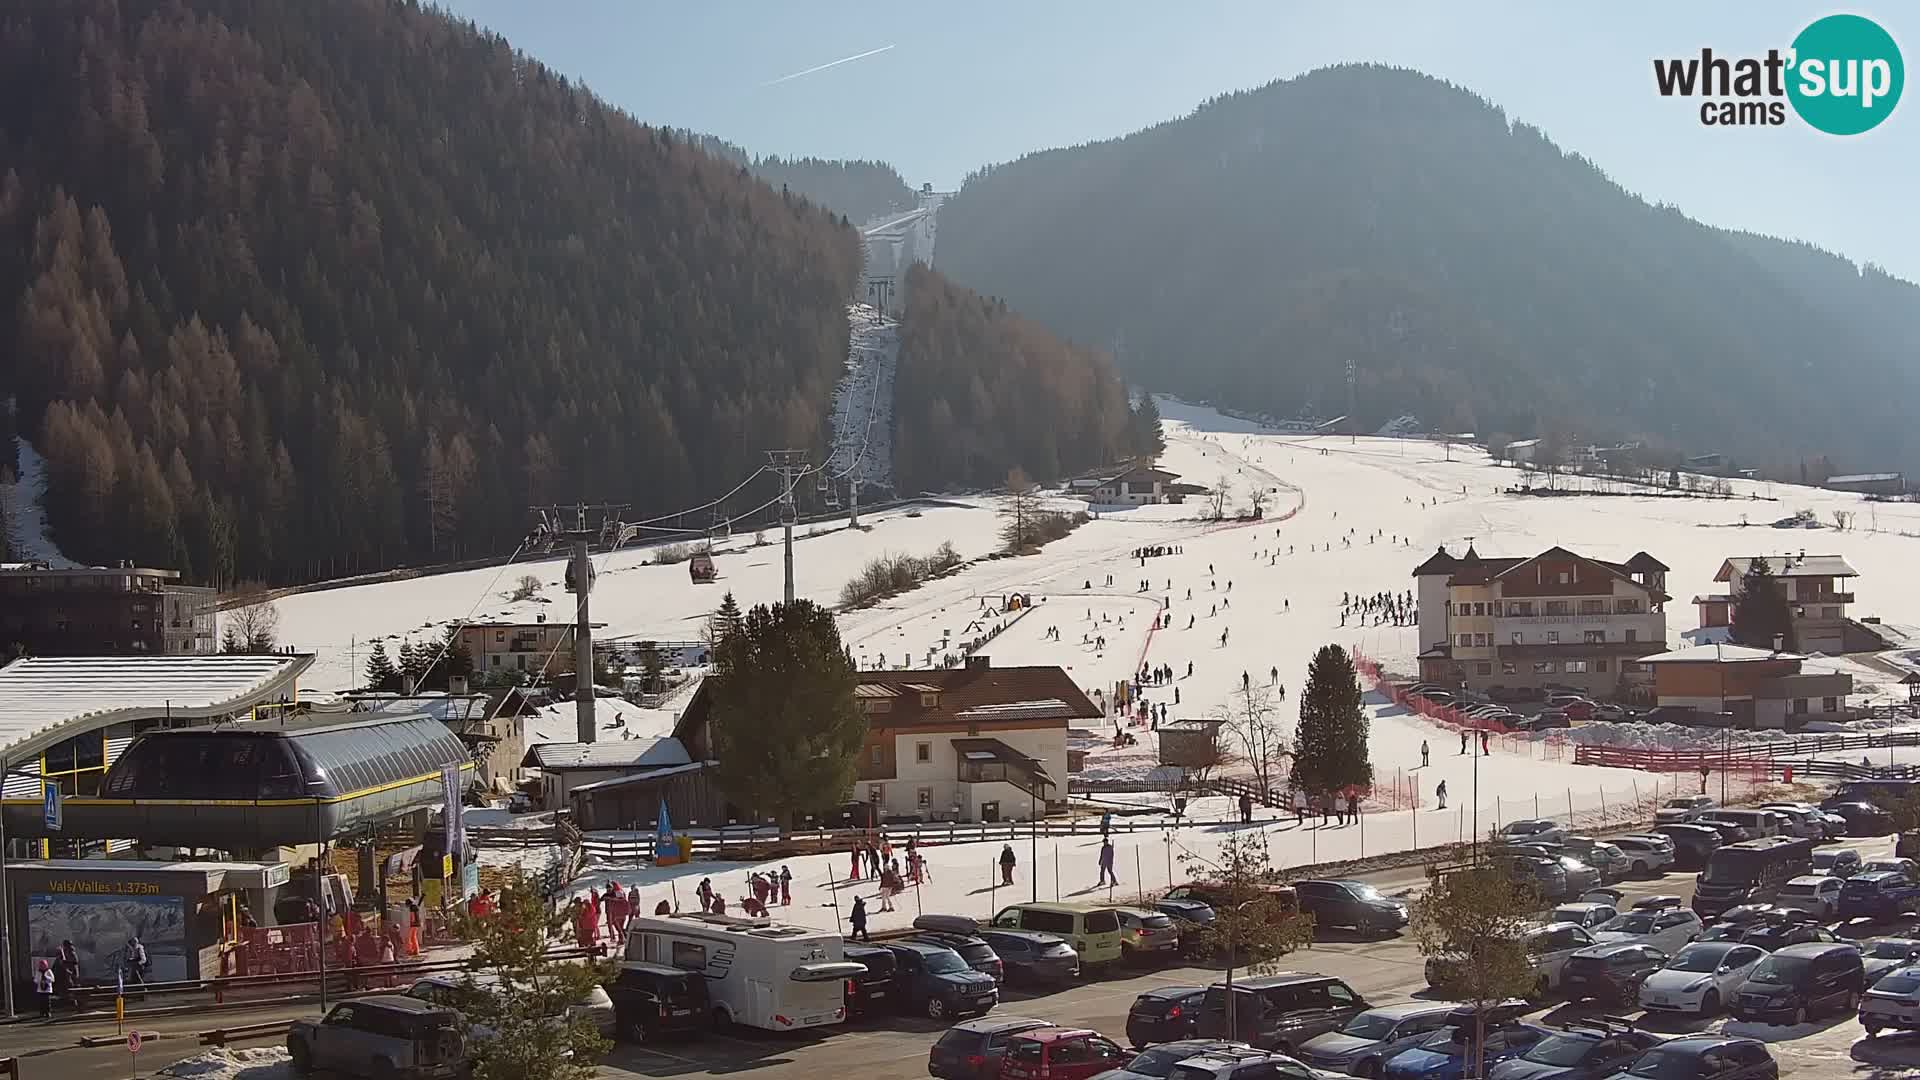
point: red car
(1057, 1053)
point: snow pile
(249, 1063)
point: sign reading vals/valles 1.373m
(1842, 75)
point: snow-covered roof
(640, 777)
(652, 752)
(1789, 566)
(1718, 654)
(1048, 709)
(1863, 478)
(47, 698)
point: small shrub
(890, 575)
(668, 554)
(526, 588)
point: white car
(1645, 854)
(1700, 978)
(1248, 1064)
(1533, 831)
(1584, 914)
(1806, 819)
(1893, 1002)
(1815, 894)
(1683, 809)
(1668, 930)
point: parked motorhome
(759, 973)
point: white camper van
(761, 974)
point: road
(896, 1048)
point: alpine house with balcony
(1552, 620)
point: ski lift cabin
(701, 568)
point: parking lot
(1382, 970)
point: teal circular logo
(1847, 74)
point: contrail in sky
(828, 64)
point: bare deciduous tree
(1217, 499)
(1258, 497)
(253, 626)
(1253, 722)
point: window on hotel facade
(1626, 607)
(1553, 637)
(1465, 641)
(1829, 704)
(876, 755)
(923, 752)
(1576, 667)
(1479, 609)
(876, 793)
(1508, 667)
(1480, 641)
(1557, 607)
(1633, 636)
(1593, 607)
(1799, 705)
(1520, 609)
(1596, 637)
(1517, 637)
(1600, 666)
(1484, 669)
(925, 798)
(1545, 667)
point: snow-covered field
(1271, 588)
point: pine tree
(409, 665)
(1762, 613)
(652, 667)
(381, 674)
(784, 726)
(724, 623)
(1330, 744)
(1148, 440)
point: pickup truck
(388, 1037)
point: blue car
(1444, 1054)
(1878, 894)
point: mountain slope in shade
(1467, 269)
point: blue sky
(966, 85)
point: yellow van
(1092, 929)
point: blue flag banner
(666, 847)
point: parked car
(933, 980)
(652, 1001)
(1546, 875)
(1549, 946)
(1350, 903)
(1060, 1053)
(1881, 955)
(1583, 1049)
(972, 1049)
(1147, 936)
(1668, 930)
(1862, 818)
(1583, 913)
(1878, 894)
(1158, 1062)
(972, 948)
(1094, 929)
(1749, 824)
(1788, 927)
(1802, 981)
(1444, 1054)
(1165, 1014)
(1892, 1002)
(1815, 894)
(875, 991)
(1214, 896)
(1691, 843)
(1895, 865)
(1683, 808)
(1611, 971)
(1645, 854)
(1659, 902)
(387, 1035)
(1363, 1044)
(455, 992)
(1805, 820)
(1534, 830)
(1280, 1012)
(1836, 862)
(1580, 877)
(1547, 720)
(1700, 978)
(1028, 956)
(1704, 1057)
(1241, 1065)
(1602, 855)
(1191, 912)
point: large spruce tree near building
(1762, 613)
(785, 729)
(1330, 743)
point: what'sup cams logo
(1842, 75)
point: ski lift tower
(790, 466)
(554, 522)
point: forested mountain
(1470, 271)
(980, 390)
(857, 190)
(292, 288)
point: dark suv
(1279, 1012)
(972, 948)
(651, 1001)
(1801, 981)
(1165, 1014)
(935, 981)
(1350, 903)
(1705, 1057)
(1611, 972)
(387, 1036)
(972, 1050)
(1585, 1049)
(872, 992)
